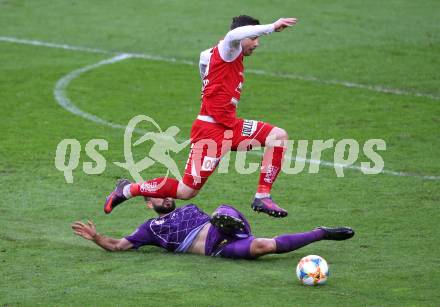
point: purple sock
(289, 242)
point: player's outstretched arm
(283, 23)
(88, 232)
(230, 46)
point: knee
(184, 192)
(267, 246)
(261, 247)
(280, 134)
(277, 137)
(189, 194)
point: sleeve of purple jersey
(141, 236)
(230, 47)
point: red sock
(271, 167)
(158, 187)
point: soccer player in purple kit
(188, 229)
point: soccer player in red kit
(217, 129)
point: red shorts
(210, 141)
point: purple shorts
(237, 246)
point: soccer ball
(312, 270)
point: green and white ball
(312, 270)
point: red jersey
(221, 90)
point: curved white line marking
(66, 103)
(373, 88)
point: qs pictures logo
(68, 151)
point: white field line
(373, 88)
(66, 103)
(62, 99)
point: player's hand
(283, 23)
(87, 231)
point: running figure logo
(163, 143)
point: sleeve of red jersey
(230, 47)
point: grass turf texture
(393, 256)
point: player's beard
(249, 52)
(167, 206)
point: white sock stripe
(126, 191)
(262, 195)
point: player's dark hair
(243, 20)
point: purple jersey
(170, 230)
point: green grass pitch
(380, 45)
